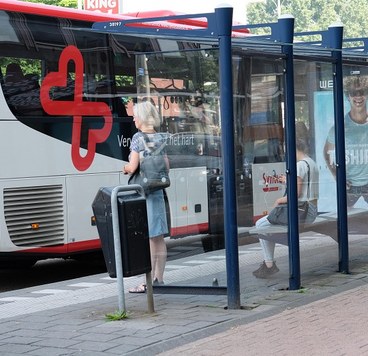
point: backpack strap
(152, 151)
(308, 191)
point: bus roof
(57, 11)
(82, 15)
(94, 16)
(199, 22)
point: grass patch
(302, 290)
(117, 315)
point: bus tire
(213, 242)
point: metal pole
(224, 24)
(151, 307)
(335, 33)
(117, 247)
(286, 24)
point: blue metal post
(335, 34)
(224, 25)
(286, 24)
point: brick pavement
(336, 325)
(328, 316)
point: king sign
(106, 6)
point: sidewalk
(328, 316)
(335, 325)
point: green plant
(302, 290)
(117, 315)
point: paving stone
(328, 317)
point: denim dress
(156, 210)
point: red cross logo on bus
(77, 108)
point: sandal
(142, 288)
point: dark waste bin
(133, 226)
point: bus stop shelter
(284, 43)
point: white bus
(66, 100)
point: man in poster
(356, 140)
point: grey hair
(147, 114)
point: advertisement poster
(324, 120)
(266, 186)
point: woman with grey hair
(146, 119)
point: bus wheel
(95, 258)
(213, 242)
(18, 264)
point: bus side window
(105, 89)
(33, 80)
(22, 92)
(14, 73)
(14, 80)
(89, 87)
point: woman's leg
(158, 261)
(157, 227)
(158, 257)
(268, 247)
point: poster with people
(356, 143)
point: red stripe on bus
(85, 246)
(189, 230)
(200, 22)
(67, 248)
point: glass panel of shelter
(259, 131)
(356, 147)
(187, 95)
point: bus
(66, 100)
